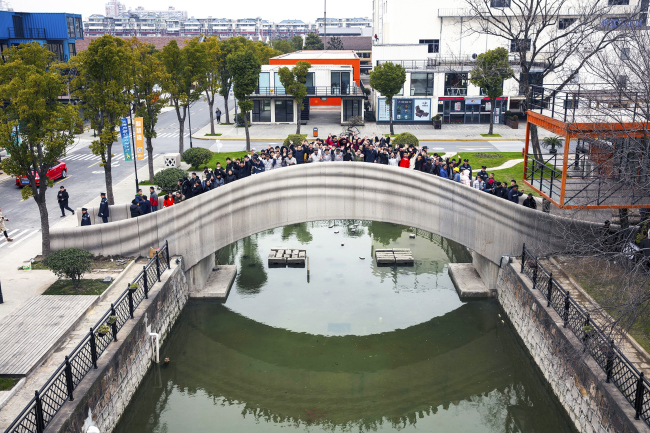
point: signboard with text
(422, 110)
(403, 109)
(139, 138)
(126, 139)
(383, 112)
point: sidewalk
(424, 132)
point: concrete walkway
(507, 164)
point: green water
(355, 348)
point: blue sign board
(126, 139)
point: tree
(245, 69)
(388, 79)
(314, 42)
(538, 42)
(282, 45)
(335, 43)
(491, 70)
(70, 263)
(294, 81)
(211, 83)
(147, 75)
(103, 83)
(36, 127)
(181, 68)
(296, 43)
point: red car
(58, 171)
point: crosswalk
(171, 135)
(91, 157)
(18, 237)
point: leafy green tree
(335, 43)
(103, 83)
(245, 69)
(36, 127)
(296, 43)
(282, 45)
(211, 83)
(293, 81)
(491, 70)
(388, 79)
(197, 157)
(147, 74)
(314, 42)
(167, 179)
(70, 263)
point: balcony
(313, 91)
(26, 33)
(455, 91)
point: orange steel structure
(579, 131)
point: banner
(139, 139)
(404, 109)
(422, 109)
(126, 139)
(383, 113)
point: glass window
(284, 111)
(279, 88)
(264, 84)
(57, 49)
(421, 84)
(625, 54)
(70, 21)
(565, 23)
(500, 3)
(456, 84)
(433, 44)
(72, 48)
(262, 110)
(78, 28)
(519, 44)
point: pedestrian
(153, 199)
(218, 113)
(135, 209)
(169, 200)
(179, 197)
(62, 198)
(104, 211)
(465, 178)
(514, 194)
(3, 228)
(530, 202)
(85, 218)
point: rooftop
(319, 54)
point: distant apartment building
(114, 8)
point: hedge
(197, 157)
(167, 179)
(405, 138)
(297, 139)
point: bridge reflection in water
(461, 369)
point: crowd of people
(377, 150)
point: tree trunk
(211, 105)
(534, 141)
(39, 197)
(181, 126)
(108, 176)
(493, 103)
(299, 120)
(225, 106)
(248, 137)
(150, 155)
(390, 116)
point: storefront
(470, 110)
(405, 110)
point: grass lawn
(221, 157)
(213, 135)
(88, 287)
(490, 135)
(488, 159)
(6, 383)
(98, 262)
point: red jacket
(405, 162)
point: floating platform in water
(281, 257)
(394, 256)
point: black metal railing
(26, 33)
(618, 369)
(343, 90)
(546, 175)
(61, 385)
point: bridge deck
(36, 328)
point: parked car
(58, 171)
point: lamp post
(135, 165)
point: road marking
(63, 180)
(23, 238)
(14, 236)
(95, 163)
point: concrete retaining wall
(106, 392)
(576, 379)
(310, 192)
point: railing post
(167, 253)
(549, 290)
(586, 323)
(523, 258)
(609, 367)
(40, 420)
(638, 401)
(145, 278)
(567, 304)
(93, 348)
(68, 378)
(158, 266)
(535, 277)
(114, 324)
(130, 295)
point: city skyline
(291, 9)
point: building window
(3, 48)
(518, 45)
(619, 2)
(421, 84)
(433, 44)
(625, 54)
(455, 84)
(483, 92)
(622, 81)
(72, 49)
(534, 79)
(352, 108)
(500, 3)
(284, 111)
(78, 28)
(565, 23)
(70, 21)
(57, 49)
(262, 110)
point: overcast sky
(275, 10)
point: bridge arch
(197, 228)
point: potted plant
(552, 142)
(437, 121)
(103, 330)
(133, 286)
(111, 320)
(512, 121)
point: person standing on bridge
(62, 197)
(85, 218)
(153, 199)
(514, 194)
(3, 228)
(103, 208)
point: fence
(618, 369)
(61, 385)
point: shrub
(70, 263)
(240, 119)
(197, 157)
(295, 138)
(405, 138)
(437, 117)
(167, 179)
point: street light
(135, 165)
